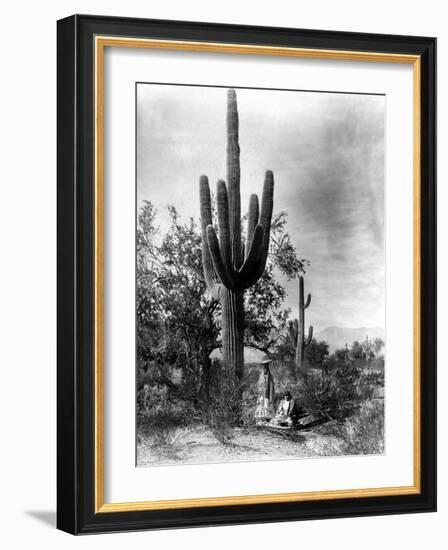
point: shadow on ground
(48, 517)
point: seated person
(287, 412)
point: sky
(327, 154)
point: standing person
(265, 388)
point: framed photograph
(246, 274)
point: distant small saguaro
(300, 324)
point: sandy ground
(200, 446)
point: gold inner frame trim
(101, 42)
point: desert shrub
(360, 433)
(220, 425)
(225, 407)
(332, 393)
(160, 427)
(372, 378)
(363, 432)
(161, 422)
(248, 405)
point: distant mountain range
(337, 337)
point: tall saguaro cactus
(229, 266)
(301, 341)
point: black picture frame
(76, 261)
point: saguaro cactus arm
(224, 225)
(211, 278)
(252, 220)
(267, 204)
(219, 266)
(253, 257)
(307, 342)
(301, 294)
(308, 301)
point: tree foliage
(178, 323)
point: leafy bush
(151, 397)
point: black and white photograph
(220, 309)
(260, 274)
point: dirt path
(200, 446)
